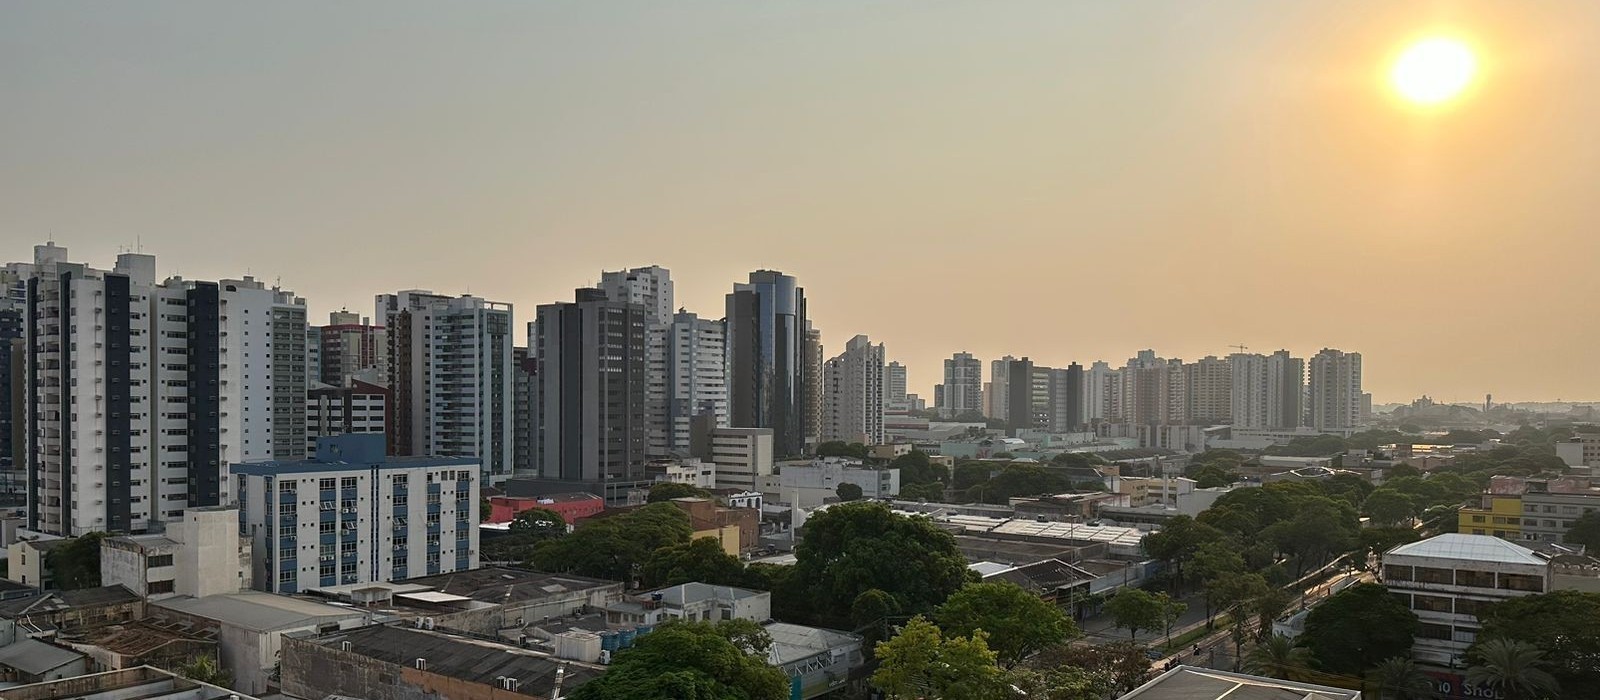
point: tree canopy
(852, 548)
(839, 448)
(1358, 627)
(1018, 622)
(922, 662)
(700, 559)
(539, 521)
(614, 547)
(847, 491)
(668, 490)
(692, 660)
(1564, 624)
(1586, 531)
(916, 468)
(76, 564)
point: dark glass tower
(766, 359)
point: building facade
(962, 390)
(853, 393)
(358, 407)
(1335, 396)
(1449, 580)
(770, 352)
(200, 554)
(591, 389)
(353, 515)
(695, 380)
(1268, 391)
(350, 345)
(742, 456)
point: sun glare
(1433, 70)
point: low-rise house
(817, 660)
(202, 554)
(27, 559)
(481, 601)
(32, 661)
(737, 529)
(45, 614)
(388, 662)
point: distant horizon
(1064, 181)
(318, 308)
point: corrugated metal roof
(1456, 545)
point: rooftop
(54, 601)
(1190, 683)
(34, 657)
(1043, 576)
(142, 682)
(261, 612)
(497, 584)
(1469, 548)
(459, 657)
(792, 643)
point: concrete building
(143, 682)
(695, 377)
(816, 660)
(1582, 450)
(1208, 391)
(690, 601)
(769, 356)
(853, 394)
(962, 390)
(29, 660)
(996, 391)
(1336, 401)
(26, 559)
(742, 455)
(13, 387)
(1097, 393)
(689, 471)
(250, 628)
(200, 555)
(524, 411)
(483, 602)
(1530, 510)
(106, 449)
(1450, 579)
(1064, 399)
(736, 529)
(1268, 391)
(811, 354)
(1192, 683)
(591, 392)
(350, 345)
(353, 515)
(570, 506)
(894, 385)
(450, 363)
(649, 287)
(389, 662)
(359, 407)
(810, 484)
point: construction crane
(1240, 347)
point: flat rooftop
(460, 657)
(1190, 683)
(142, 682)
(261, 612)
(497, 584)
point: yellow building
(1500, 516)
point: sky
(1067, 180)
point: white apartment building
(650, 287)
(742, 456)
(1268, 390)
(810, 484)
(665, 399)
(200, 554)
(1336, 399)
(451, 370)
(1097, 392)
(852, 393)
(996, 393)
(1449, 579)
(138, 391)
(695, 377)
(352, 515)
(894, 386)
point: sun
(1434, 70)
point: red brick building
(571, 506)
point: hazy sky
(1065, 180)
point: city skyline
(1244, 176)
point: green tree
(1019, 623)
(1179, 540)
(1134, 609)
(1320, 528)
(668, 490)
(614, 547)
(205, 669)
(1215, 564)
(76, 564)
(921, 662)
(1278, 657)
(1377, 540)
(1400, 679)
(1358, 627)
(1059, 683)
(1401, 469)
(847, 491)
(1233, 590)
(916, 468)
(1389, 507)
(1585, 531)
(931, 491)
(1019, 480)
(970, 474)
(1214, 475)
(700, 560)
(1170, 611)
(484, 510)
(1119, 666)
(1514, 668)
(852, 548)
(1349, 488)
(696, 660)
(540, 522)
(839, 448)
(1564, 624)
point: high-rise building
(524, 411)
(696, 353)
(1020, 409)
(1267, 390)
(358, 407)
(351, 345)
(742, 455)
(768, 359)
(996, 396)
(1336, 400)
(1097, 393)
(894, 382)
(1208, 389)
(811, 351)
(264, 355)
(451, 371)
(963, 385)
(141, 393)
(1065, 398)
(13, 311)
(853, 393)
(1151, 391)
(650, 288)
(374, 518)
(590, 388)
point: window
(1430, 603)
(1521, 582)
(157, 587)
(1394, 572)
(1468, 606)
(157, 560)
(348, 482)
(1476, 579)
(326, 484)
(1431, 631)
(326, 527)
(1426, 574)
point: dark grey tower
(766, 357)
(590, 388)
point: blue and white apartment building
(353, 515)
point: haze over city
(1068, 181)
